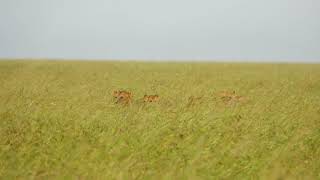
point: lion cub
(151, 98)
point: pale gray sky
(275, 30)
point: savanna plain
(60, 120)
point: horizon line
(263, 61)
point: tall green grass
(58, 120)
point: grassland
(58, 120)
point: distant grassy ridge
(58, 119)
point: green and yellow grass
(58, 120)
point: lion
(230, 97)
(151, 98)
(223, 94)
(122, 96)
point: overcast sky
(268, 30)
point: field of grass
(58, 119)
